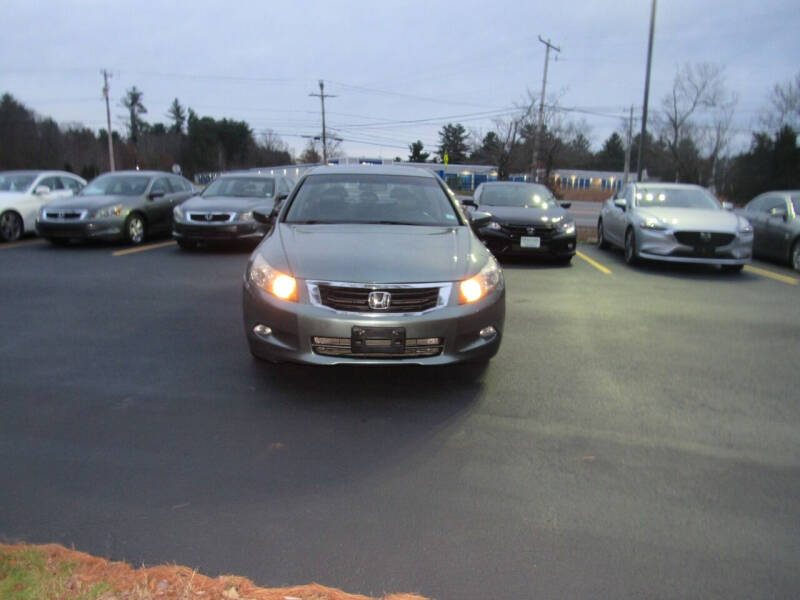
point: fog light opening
(262, 330)
(488, 332)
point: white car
(674, 222)
(23, 193)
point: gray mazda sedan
(373, 265)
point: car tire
(134, 229)
(732, 268)
(11, 228)
(187, 244)
(601, 236)
(630, 247)
(795, 256)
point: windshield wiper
(391, 223)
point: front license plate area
(530, 242)
(378, 340)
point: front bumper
(663, 246)
(82, 229)
(553, 244)
(222, 232)
(294, 324)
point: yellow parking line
(594, 263)
(22, 243)
(143, 248)
(771, 275)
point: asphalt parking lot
(636, 436)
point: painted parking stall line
(772, 275)
(143, 248)
(594, 263)
(10, 245)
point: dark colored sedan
(224, 211)
(775, 217)
(526, 220)
(123, 205)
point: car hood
(92, 202)
(693, 219)
(381, 253)
(225, 204)
(522, 216)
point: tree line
(197, 144)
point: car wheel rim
(10, 227)
(136, 230)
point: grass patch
(28, 574)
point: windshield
(654, 197)
(117, 185)
(241, 187)
(15, 183)
(523, 196)
(359, 198)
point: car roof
(246, 174)
(510, 183)
(135, 172)
(371, 170)
(38, 172)
(669, 186)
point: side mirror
(620, 203)
(469, 202)
(41, 190)
(478, 219)
(265, 214)
(281, 197)
(154, 195)
(727, 205)
(565, 205)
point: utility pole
(628, 148)
(106, 75)
(646, 87)
(540, 126)
(322, 95)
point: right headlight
(487, 280)
(177, 214)
(744, 227)
(271, 280)
(108, 211)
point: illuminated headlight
(177, 214)
(108, 211)
(494, 225)
(271, 280)
(652, 224)
(487, 280)
(246, 216)
(567, 227)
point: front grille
(696, 238)
(210, 217)
(540, 231)
(64, 215)
(414, 348)
(356, 299)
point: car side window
(54, 183)
(283, 187)
(755, 204)
(772, 202)
(160, 185)
(176, 184)
(71, 184)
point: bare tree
(784, 106)
(696, 89)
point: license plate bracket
(377, 340)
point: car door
(778, 227)
(614, 216)
(158, 206)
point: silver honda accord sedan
(373, 265)
(676, 223)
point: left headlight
(567, 227)
(108, 211)
(487, 280)
(177, 213)
(271, 280)
(652, 224)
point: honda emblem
(379, 300)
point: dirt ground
(85, 576)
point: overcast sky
(388, 63)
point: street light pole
(646, 89)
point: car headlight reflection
(487, 280)
(108, 211)
(271, 280)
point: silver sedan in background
(676, 223)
